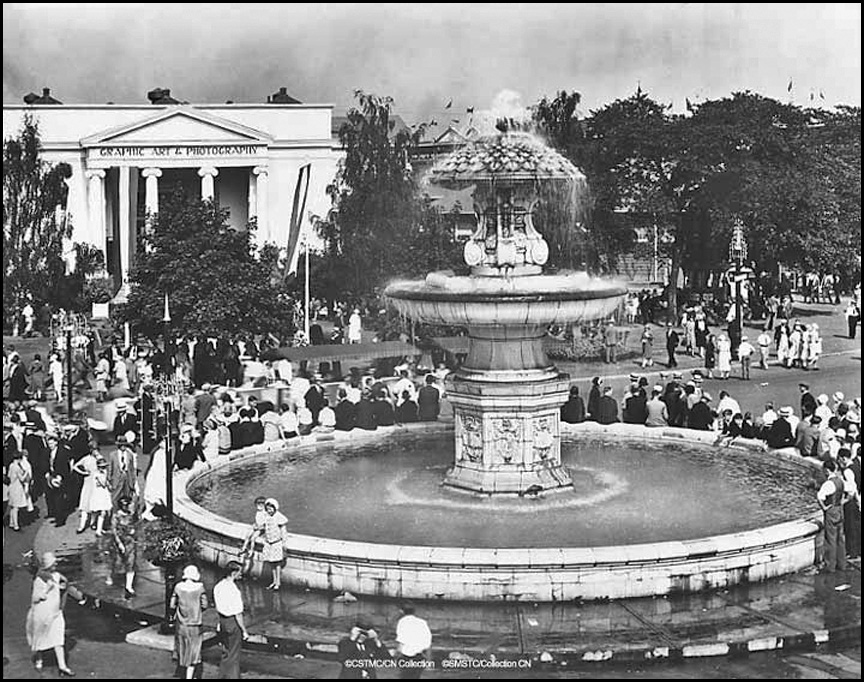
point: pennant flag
(688, 103)
(469, 110)
(821, 95)
(298, 210)
(449, 104)
(789, 87)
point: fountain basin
(533, 301)
(529, 573)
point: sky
(424, 55)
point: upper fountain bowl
(508, 159)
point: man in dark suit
(701, 415)
(607, 410)
(57, 480)
(346, 412)
(31, 414)
(357, 652)
(672, 340)
(808, 402)
(780, 434)
(573, 411)
(124, 421)
(429, 401)
(366, 414)
(385, 415)
(122, 475)
(314, 398)
(34, 444)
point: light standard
(68, 329)
(167, 400)
(737, 256)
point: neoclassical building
(126, 158)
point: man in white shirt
(745, 354)
(413, 639)
(831, 497)
(229, 605)
(404, 383)
(764, 343)
(727, 402)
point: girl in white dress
(783, 347)
(100, 500)
(87, 467)
(724, 356)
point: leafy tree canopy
(34, 222)
(216, 283)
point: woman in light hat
(724, 356)
(101, 502)
(272, 530)
(20, 475)
(188, 602)
(46, 626)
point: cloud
(423, 55)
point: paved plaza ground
(802, 626)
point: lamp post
(68, 329)
(169, 409)
(737, 256)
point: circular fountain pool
(652, 511)
(623, 493)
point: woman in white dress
(87, 467)
(46, 625)
(101, 502)
(815, 347)
(795, 341)
(272, 530)
(55, 368)
(724, 356)
(20, 481)
(783, 347)
(154, 482)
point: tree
(380, 225)
(34, 224)
(216, 282)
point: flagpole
(306, 289)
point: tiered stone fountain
(648, 511)
(506, 396)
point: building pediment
(178, 125)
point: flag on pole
(298, 210)
(789, 87)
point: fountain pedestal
(507, 435)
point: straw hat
(191, 573)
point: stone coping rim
(666, 552)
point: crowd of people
(825, 429)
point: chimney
(282, 97)
(46, 98)
(30, 98)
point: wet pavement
(797, 627)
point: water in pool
(623, 493)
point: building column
(151, 193)
(261, 200)
(96, 197)
(125, 210)
(208, 188)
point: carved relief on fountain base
(507, 437)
